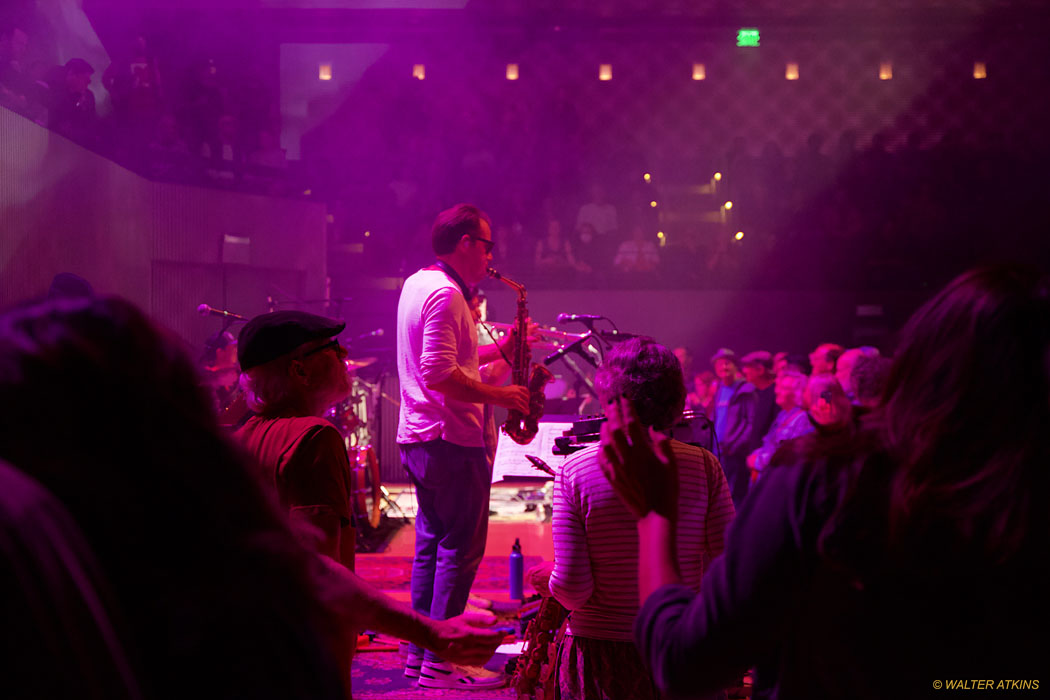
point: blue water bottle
(517, 571)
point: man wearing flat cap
(757, 367)
(293, 370)
(734, 414)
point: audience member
(758, 372)
(212, 586)
(134, 85)
(685, 358)
(824, 357)
(780, 361)
(826, 403)
(868, 379)
(225, 154)
(637, 254)
(269, 154)
(590, 250)
(844, 367)
(790, 423)
(913, 549)
(554, 256)
(57, 603)
(594, 574)
(15, 83)
(798, 362)
(67, 285)
(733, 416)
(702, 397)
(599, 214)
(293, 371)
(72, 109)
(168, 156)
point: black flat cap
(269, 336)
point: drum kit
(355, 419)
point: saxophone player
(440, 431)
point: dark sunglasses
(333, 343)
(489, 245)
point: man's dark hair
(454, 223)
(868, 377)
(649, 375)
(833, 356)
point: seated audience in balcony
(269, 153)
(599, 213)
(72, 109)
(590, 251)
(911, 552)
(638, 254)
(134, 84)
(15, 82)
(224, 154)
(554, 256)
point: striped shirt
(596, 543)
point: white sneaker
(412, 665)
(444, 675)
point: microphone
(566, 318)
(377, 333)
(205, 310)
(565, 350)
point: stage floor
(515, 514)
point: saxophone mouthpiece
(494, 274)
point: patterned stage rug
(380, 674)
(394, 573)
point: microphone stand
(575, 346)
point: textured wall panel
(63, 208)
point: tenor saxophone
(523, 428)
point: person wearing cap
(293, 370)
(441, 427)
(757, 367)
(72, 109)
(734, 413)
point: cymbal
(360, 362)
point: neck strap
(447, 269)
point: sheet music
(510, 458)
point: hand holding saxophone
(522, 425)
(512, 397)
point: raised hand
(639, 463)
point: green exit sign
(747, 37)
